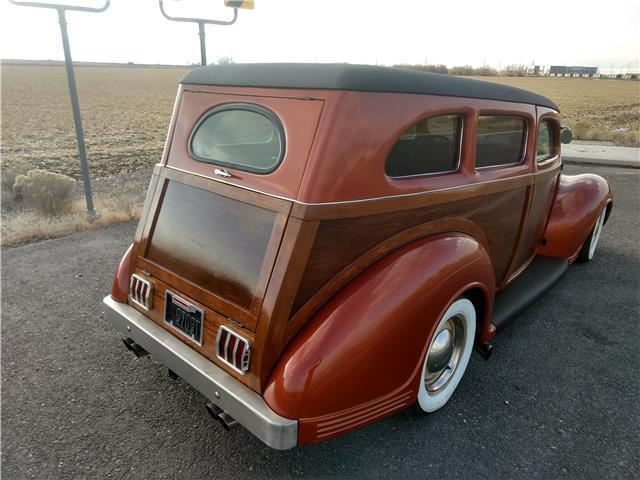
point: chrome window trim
(350, 202)
(444, 172)
(523, 151)
(247, 346)
(148, 299)
(164, 316)
(247, 107)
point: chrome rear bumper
(243, 404)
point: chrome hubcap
(444, 353)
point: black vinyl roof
(362, 78)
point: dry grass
(22, 226)
(595, 109)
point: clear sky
(453, 32)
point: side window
(544, 148)
(430, 146)
(500, 141)
(242, 136)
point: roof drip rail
(73, 93)
(201, 23)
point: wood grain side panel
(212, 320)
(194, 291)
(214, 241)
(254, 239)
(341, 242)
(276, 308)
(381, 250)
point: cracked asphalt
(559, 398)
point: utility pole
(73, 91)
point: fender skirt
(360, 357)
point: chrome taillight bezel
(222, 350)
(141, 292)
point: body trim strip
(361, 200)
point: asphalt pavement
(559, 398)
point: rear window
(500, 141)
(430, 146)
(242, 136)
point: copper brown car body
(335, 273)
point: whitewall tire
(447, 356)
(588, 250)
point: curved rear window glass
(239, 136)
(430, 146)
(500, 141)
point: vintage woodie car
(323, 245)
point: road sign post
(73, 92)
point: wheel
(588, 249)
(447, 356)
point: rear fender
(360, 356)
(579, 201)
(120, 288)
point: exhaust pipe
(226, 420)
(132, 346)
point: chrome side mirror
(566, 135)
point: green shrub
(47, 192)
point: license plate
(183, 316)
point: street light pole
(77, 120)
(201, 23)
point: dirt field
(595, 109)
(126, 112)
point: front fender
(579, 201)
(360, 357)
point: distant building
(625, 73)
(562, 71)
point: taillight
(232, 349)
(141, 292)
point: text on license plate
(183, 316)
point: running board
(534, 282)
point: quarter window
(544, 148)
(240, 136)
(500, 141)
(430, 146)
